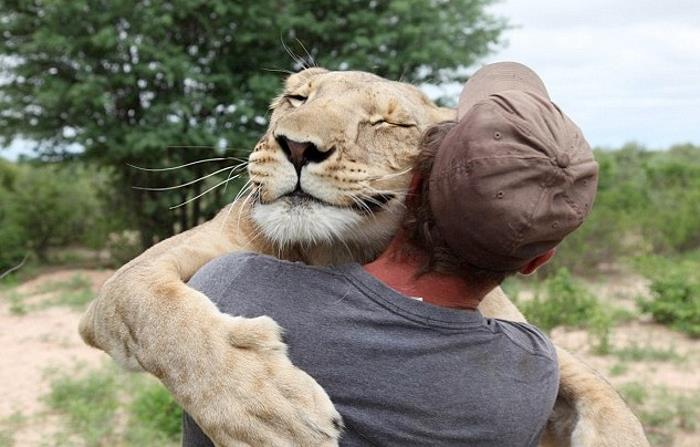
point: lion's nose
(302, 153)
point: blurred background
(90, 90)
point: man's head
(501, 187)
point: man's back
(400, 372)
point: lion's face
(334, 166)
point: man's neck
(400, 271)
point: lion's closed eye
(296, 100)
(382, 121)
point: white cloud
(622, 70)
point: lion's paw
(260, 398)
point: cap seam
(520, 236)
(467, 166)
(522, 124)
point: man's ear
(538, 262)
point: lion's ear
(297, 79)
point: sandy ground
(47, 338)
(679, 376)
(36, 342)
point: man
(398, 344)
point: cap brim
(498, 77)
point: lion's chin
(286, 222)
(311, 223)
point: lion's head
(333, 168)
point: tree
(122, 80)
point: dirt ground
(36, 342)
(45, 338)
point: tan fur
(232, 374)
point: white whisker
(246, 187)
(192, 182)
(207, 160)
(202, 194)
(311, 58)
(383, 177)
(235, 168)
(276, 70)
(243, 205)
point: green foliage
(636, 352)
(46, 206)
(54, 205)
(17, 306)
(13, 239)
(633, 392)
(76, 292)
(566, 302)
(675, 290)
(8, 427)
(618, 369)
(89, 402)
(124, 82)
(154, 408)
(662, 412)
(93, 403)
(123, 246)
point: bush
(566, 302)
(13, 237)
(675, 291)
(45, 206)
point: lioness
(232, 374)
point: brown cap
(514, 176)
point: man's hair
(420, 226)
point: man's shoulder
(527, 338)
(216, 277)
(224, 266)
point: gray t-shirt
(401, 372)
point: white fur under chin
(315, 223)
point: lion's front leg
(588, 411)
(592, 413)
(231, 374)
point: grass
(107, 407)
(76, 292)
(663, 412)
(633, 392)
(16, 300)
(8, 428)
(618, 369)
(88, 402)
(636, 352)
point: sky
(622, 70)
